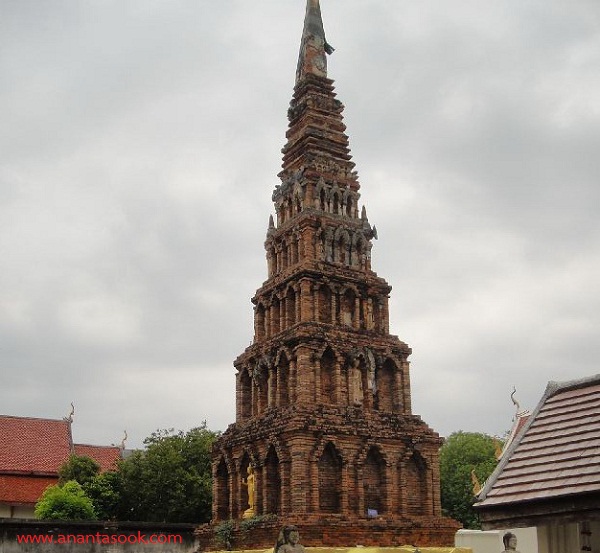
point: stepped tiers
(323, 405)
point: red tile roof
(31, 452)
(29, 445)
(558, 452)
(23, 490)
(106, 456)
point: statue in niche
(320, 245)
(288, 541)
(250, 483)
(329, 246)
(510, 542)
(371, 376)
(370, 318)
(347, 310)
(358, 395)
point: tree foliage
(170, 481)
(80, 468)
(105, 492)
(462, 453)
(65, 502)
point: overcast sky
(139, 146)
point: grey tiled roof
(557, 453)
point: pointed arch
(330, 480)
(327, 372)
(322, 194)
(294, 249)
(283, 377)
(347, 201)
(245, 462)
(357, 380)
(290, 307)
(325, 296)
(260, 380)
(348, 307)
(245, 392)
(335, 201)
(260, 328)
(222, 490)
(416, 482)
(275, 315)
(328, 245)
(374, 482)
(272, 482)
(386, 387)
(359, 246)
(342, 246)
(272, 260)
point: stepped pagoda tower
(323, 404)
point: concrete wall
(8, 511)
(490, 541)
(566, 538)
(94, 537)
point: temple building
(324, 435)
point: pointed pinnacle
(313, 47)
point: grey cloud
(139, 148)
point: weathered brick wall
(425, 532)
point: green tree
(65, 502)
(170, 481)
(462, 453)
(80, 468)
(105, 492)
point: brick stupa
(323, 402)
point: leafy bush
(224, 533)
(66, 502)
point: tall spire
(314, 46)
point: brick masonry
(323, 403)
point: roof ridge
(33, 418)
(554, 387)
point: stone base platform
(333, 534)
(406, 549)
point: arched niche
(416, 484)
(374, 483)
(327, 372)
(386, 387)
(325, 304)
(245, 387)
(347, 308)
(273, 482)
(223, 491)
(330, 480)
